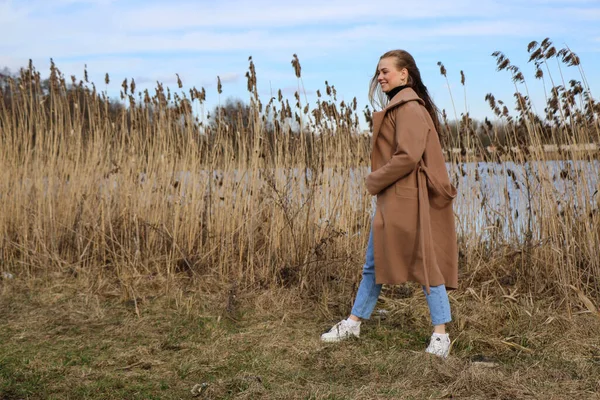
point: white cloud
(8, 13)
(179, 15)
(492, 28)
(563, 2)
(582, 14)
(229, 77)
(64, 44)
(105, 27)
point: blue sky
(337, 41)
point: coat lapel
(402, 97)
(377, 121)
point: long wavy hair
(403, 59)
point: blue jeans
(368, 292)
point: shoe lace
(435, 342)
(337, 326)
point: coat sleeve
(411, 138)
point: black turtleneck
(395, 91)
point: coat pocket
(406, 192)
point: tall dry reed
(272, 194)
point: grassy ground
(60, 342)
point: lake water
(488, 192)
(492, 197)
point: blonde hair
(403, 59)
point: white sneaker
(341, 331)
(439, 345)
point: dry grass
(272, 194)
(217, 250)
(59, 343)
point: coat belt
(424, 218)
(424, 224)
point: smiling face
(389, 76)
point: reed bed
(267, 194)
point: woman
(413, 236)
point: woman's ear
(404, 76)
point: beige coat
(414, 234)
